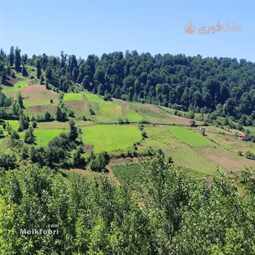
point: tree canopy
(221, 85)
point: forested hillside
(83, 172)
(221, 85)
(46, 212)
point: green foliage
(130, 174)
(34, 124)
(168, 80)
(14, 135)
(7, 161)
(99, 162)
(20, 101)
(4, 100)
(74, 131)
(1, 133)
(61, 114)
(23, 122)
(29, 137)
(64, 150)
(47, 116)
(167, 213)
(78, 159)
(250, 155)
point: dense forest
(220, 85)
(47, 212)
(171, 214)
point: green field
(111, 138)
(190, 137)
(73, 97)
(105, 110)
(198, 154)
(185, 155)
(44, 136)
(111, 110)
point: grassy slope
(190, 137)
(43, 136)
(184, 154)
(111, 110)
(111, 138)
(73, 97)
(185, 145)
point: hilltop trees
(17, 61)
(221, 85)
(4, 69)
(11, 56)
(188, 83)
(24, 71)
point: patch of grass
(189, 137)
(183, 154)
(44, 136)
(111, 138)
(130, 174)
(73, 97)
(134, 116)
(93, 98)
(107, 111)
(21, 84)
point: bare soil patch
(39, 95)
(226, 160)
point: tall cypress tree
(17, 60)
(12, 56)
(38, 69)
